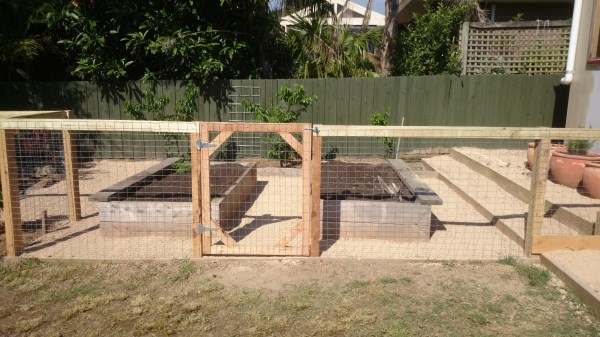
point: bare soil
(177, 186)
(343, 180)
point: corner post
(537, 200)
(10, 193)
(72, 172)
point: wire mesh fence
(179, 190)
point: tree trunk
(389, 34)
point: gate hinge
(315, 130)
(202, 145)
(202, 229)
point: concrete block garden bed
(158, 201)
(358, 201)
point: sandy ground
(461, 232)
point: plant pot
(591, 179)
(567, 169)
(531, 152)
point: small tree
(295, 102)
(383, 119)
(155, 107)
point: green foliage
(200, 40)
(383, 119)
(323, 50)
(429, 45)
(579, 146)
(154, 107)
(537, 276)
(294, 102)
(183, 166)
(24, 39)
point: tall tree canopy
(200, 40)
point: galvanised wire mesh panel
(516, 47)
(126, 204)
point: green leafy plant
(155, 108)
(579, 146)
(383, 119)
(429, 45)
(294, 102)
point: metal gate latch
(202, 229)
(202, 145)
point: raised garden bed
(158, 200)
(358, 201)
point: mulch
(177, 186)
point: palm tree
(323, 50)
(19, 44)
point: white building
(352, 15)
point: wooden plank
(597, 224)
(221, 235)
(457, 132)
(288, 238)
(133, 181)
(205, 189)
(315, 210)
(547, 243)
(72, 174)
(464, 46)
(306, 186)
(424, 194)
(219, 140)
(293, 142)
(10, 193)
(588, 295)
(100, 125)
(537, 201)
(196, 196)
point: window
(594, 50)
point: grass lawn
(288, 297)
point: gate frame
(204, 227)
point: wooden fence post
(196, 196)
(10, 193)
(315, 213)
(72, 172)
(464, 46)
(535, 215)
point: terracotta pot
(567, 169)
(591, 179)
(553, 147)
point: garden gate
(254, 206)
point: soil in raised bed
(177, 186)
(352, 181)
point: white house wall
(584, 96)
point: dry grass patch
(316, 298)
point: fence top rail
(46, 114)
(521, 24)
(457, 132)
(100, 125)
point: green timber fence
(475, 100)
